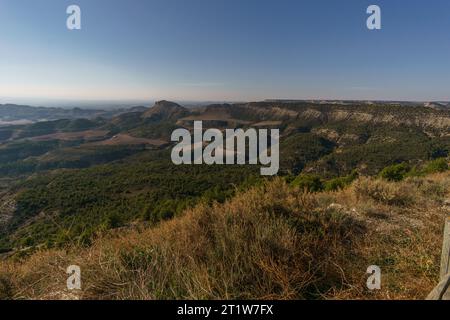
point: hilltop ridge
(165, 110)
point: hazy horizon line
(121, 103)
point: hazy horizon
(118, 104)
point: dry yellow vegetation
(271, 242)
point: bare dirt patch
(125, 139)
(267, 123)
(67, 136)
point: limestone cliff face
(429, 120)
(432, 121)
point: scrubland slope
(274, 241)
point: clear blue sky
(224, 50)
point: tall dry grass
(272, 242)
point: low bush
(310, 183)
(340, 182)
(396, 172)
(389, 193)
(435, 166)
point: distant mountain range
(11, 113)
(430, 104)
(22, 114)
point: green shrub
(396, 172)
(113, 221)
(435, 166)
(340, 182)
(311, 183)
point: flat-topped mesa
(165, 110)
